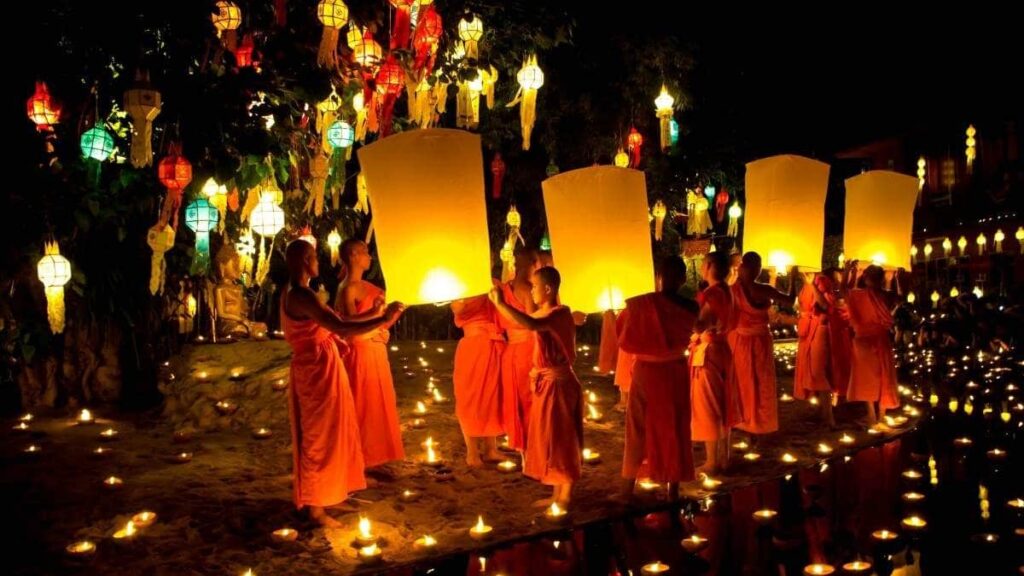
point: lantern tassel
(362, 195)
(734, 227)
(665, 130)
(528, 115)
(201, 261)
(327, 57)
(264, 263)
(55, 308)
(659, 226)
(318, 170)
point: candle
(785, 397)
(1017, 503)
(425, 542)
(556, 513)
(432, 458)
(591, 457)
(818, 569)
(183, 457)
(108, 435)
(964, 441)
(370, 554)
(113, 482)
(986, 538)
(824, 448)
(751, 456)
(225, 407)
(429, 442)
(438, 398)
(81, 548)
(933, 399)
(953, 405)
(394, 348)
(202, 374)
(27, 417)
(20, 427)
(912, 497)
(237, 373)
(592, 413)
(84, 417)
(507, 466)
(279, 384)
(914, 523)
(480, 530)
(884, 535)
(262, 433)
(101, 451)
(127, 532)
(813, 401)
(764, 516)
(417, 423)
(591, 397)
(144, 519)
(996, 454)
(788, 458)
(646, 485)
(421, 408)
(709, 483)
(654, 568)
(694, 543)
(365, 537)
(409, 495)
(440, 350)
(912, 474)
(741, 445)
(857, 567)
(182, 436)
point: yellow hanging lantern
(911, 298)
(470, 32)
(468, 102)
(354, 36)
(962, 245)
(514, 221)
(659, 212)
(935, 298)
(913, 253)
(226, 20)
(953, 292)
(971, 151)
(980, 241)
(1019, 235)
(621, 159)
(921, 172)
(999, 237)
(978, 292)
(160, 240)
(333, 14)
(359, 106)
(267, 219)
(54, 272)
(142, 103)
(530, 78)
(489, 78)
(508, 264)
(927, 251)
(333, 243)
(734, 220)
(881, 236)
(362, 195)
(217, 194)
(947, 247)
(663, 106)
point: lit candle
(409, 495)
(846, 439)
(202, 374)
(813, 401)
(421, 408)
(183, 457)
(824, 448)
(262, 433)
(963, 441)
(480, 530)
(857, 567)
(113, 482)
(438, 398)
(764, 516)
(507, 466)
(912, 474)
(912, 497)
(591, 397)
(429, 442)
(108, 435)
(225, 407)
(591, 457)
(818, 569)
(84, 417)
(33, 449)
(986, 538)
(81, 548)
(20, 427)
(788, 458)
(654, 568)
(785, 397)
(741, 445)
(27, 417)
(182, 436)
(592, 413)
(144, 519)
(694, 543)
(751, 456)
(100, 451)
(279, 384)
(996, 454)
(953, 405)
(394, 348)
(365, 537)
(1016, 503)
(236, 373)
(417, 423)
(933, 400)
(709, 483)
(884, 535)
(556, 513)
(646, 485)
(127, 532)
(440, 350)
(425, 542)
(370, 554)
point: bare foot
(317, 514)
(543, 503)
(493, 457)
(474, 463)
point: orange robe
(624, 363)
(373, 390)
(516, 363)
(872, 371)
(656, 330)
(477, 365)
(753, 365)
(555, 444)
(714, 400)
(823, 346)
(327, 458)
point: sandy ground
(216, 513)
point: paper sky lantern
(333, 14)
(201, 217)
(97, 144)
(530, 78)
(785, 211)
(54, 272)
(880, 218)
(142, 103)
(160, 239)
(43, 110)
(600, 236)
(470, 32)
(663, 106)
(426, 189)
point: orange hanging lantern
(333, 14)
(245, 54)
(402, 25)
(226, 20)
(43, 111)
(390, 83)
(634, 141)
(425, 39)
(175, 172)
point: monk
(327, 452)
(714, 400)
(655, 329)
(517, 359)
(872, 369)
(623, 380)
(369, 372)
(752, 348)
(555, 442)
(822, 356)
(477, 378)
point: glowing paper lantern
(913, 253)
(674, 131)
(226, 20)
(267, 219)
(429, 215)
(97, 144)
(921, 172)
(880, 218)
(367, 52)
(962, 245)
(621, 159)
(659, 212)
(142, 103)
(175, 172)
(947, 247)
(43, 111)
(634, 141)
(1019, 235)
(981, 241)
(333, 14)
(530, 78)
(734, 220)
(333, 243)
(971, 150)
(54, 272)
(160, 239)
(341, 135)
(999, 237)
(470, 32)
(663, 106)
(785, 211)
(600, 235)
(201, 217)
(927, 251)
(911, 298)
(935, 298)
(425, 39)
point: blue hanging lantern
(201, 217)
(673, 131)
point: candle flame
(421, 408)
(555, 509)
(428, 540)
(824, 448)
(371, 550)
(592, 412)
(788, 458)
(437, 396)
(84, 416)
(364, 528)
(480, 526)
(591, 397)
(431, 456)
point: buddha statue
(229, 300)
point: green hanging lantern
(545, 243)
(201, 217)
(341, 134)
(96, 143)
(673, 131)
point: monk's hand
(496, 296)
(379, 304)
(393, 311)
(579, 318)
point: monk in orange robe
(714, 400)
(517, 359)
(752, 348)
(872, 370)
(369, 372)
(623, 380)
(477, 378)
(821, 349)
(655, 329)
(327, 452)
(555, 442)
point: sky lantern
(600, 236)
(663, 106)
(426, 191)
(880, 218)
(333, 14)
(785, 211)
(54, 272)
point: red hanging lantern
(403, 22)
(245, 51)
(498, 173)
(174, 172)
(43, 111)
(721, 203)
(390, 83)
(428, 33)
(634, 141)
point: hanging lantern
(54, 272)
(354, 36)
(913, 253)
(246, 52)
(390, 82)
(734, 220)
(999, 237)
(488, 79)
(698, 221)
(663, 106)
(947, 247)
(971, 151)
(921, 172)
(226, 20)
(421, 104)
(142, 103)
(927, 251)
(980, 241)
(948, 173)
(468, 102)
(267, 219)
(470, 32)
(880, 236)
(674, 131)
(721, 203)
(175, 172)
(97, 144)
(217, 195)
(402, 24)
(634, 142)
(497, 175)
(935, 298)
(659, 212)
(333, 243)
(621, 159)
(319, 170)
(341, 135)
(160, 239)
(953, 292)
(514, 222)
(362, 195)
(508, 263)
(978, 292)
(201, 217)
(333, 14)
(359, 106)
(841, 259)
(43, 110)
(911, 298)
(962, 245)
(428, 32)
(530, 78)
(513, 219)
(367, 52)
(1019, 235)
